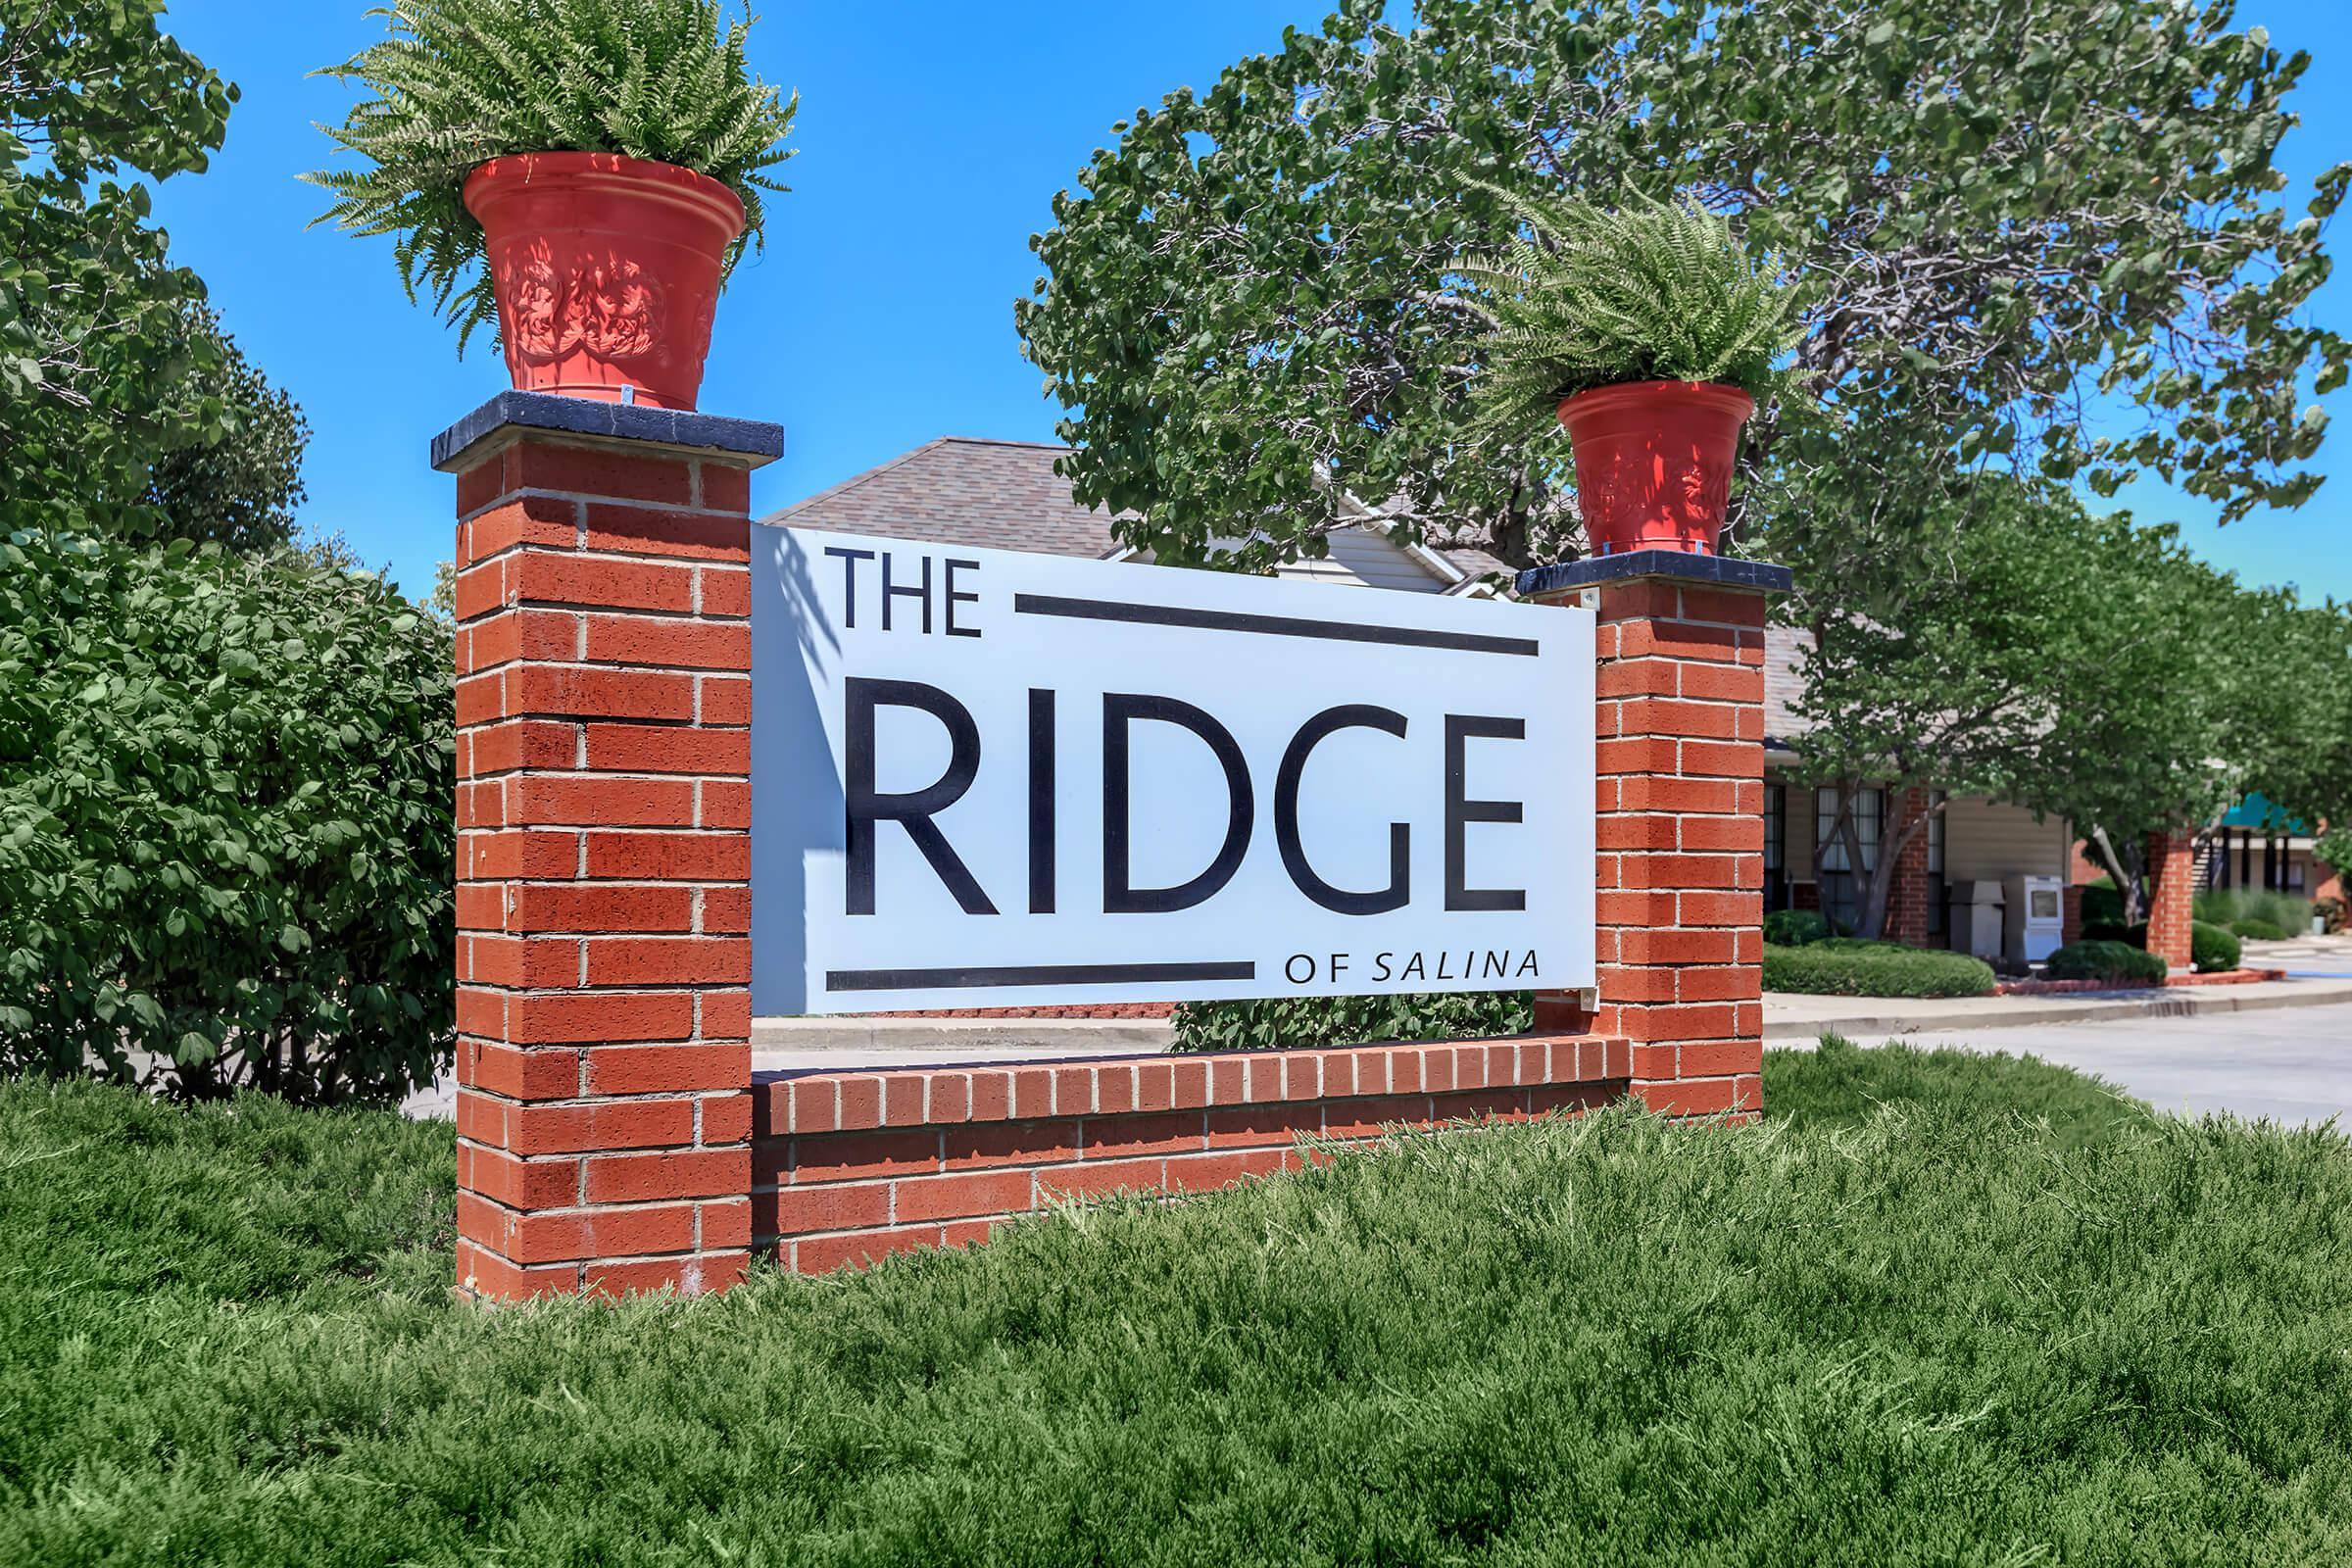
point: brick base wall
(846, 1168)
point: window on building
(1937, 914)
(1776, 837)
(1840, 888)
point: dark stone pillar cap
(748, 443)
(1715, 571)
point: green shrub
(2256, 931)
(227, 845)
(2102, 903)
(1794, 928)
(1288, 1023)
(2227, 907)
(2212, 948)
(2111, 962)
(1847, 966)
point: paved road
(2293, 1064)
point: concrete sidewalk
(1870, 1019)
(2292, 1066)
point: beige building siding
(1362, 559)
(1984, 840)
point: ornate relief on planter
(607, 272)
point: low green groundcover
(1917, 1324)
(1292, 1023)
(1848, 966)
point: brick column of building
(1679, 798)
(604, 900)
(1908, 893)
(2171, 895)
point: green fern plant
(1654, 291)
(457, 82)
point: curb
(2172, 1001)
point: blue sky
(933, 139)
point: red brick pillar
(2172, 892)
(1680, 797)
(604, 899)
(1907, 896)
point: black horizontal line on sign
(1272, 626)
(1034, 974)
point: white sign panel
(986, 778)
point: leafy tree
(2334, 848)
(99, 370)
(123, 404)
(2278, 679)
(2035, 651)
(238, 487)
(2014, 213)
(2288, 721)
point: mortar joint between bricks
(582, 499)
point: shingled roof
(962, 490)
(968, 490)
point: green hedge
(1847, 966)
(2111, 962)
(227, 845)
(1794, 928)
(2212, 948)
(2256, 931)
(1289, 1023)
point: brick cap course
(751, 443)
(1725, 571)
(827, 1101)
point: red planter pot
(607, 272)
(1653, 462)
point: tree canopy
(123, 404)
(2026, 648)
(2019, 216)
